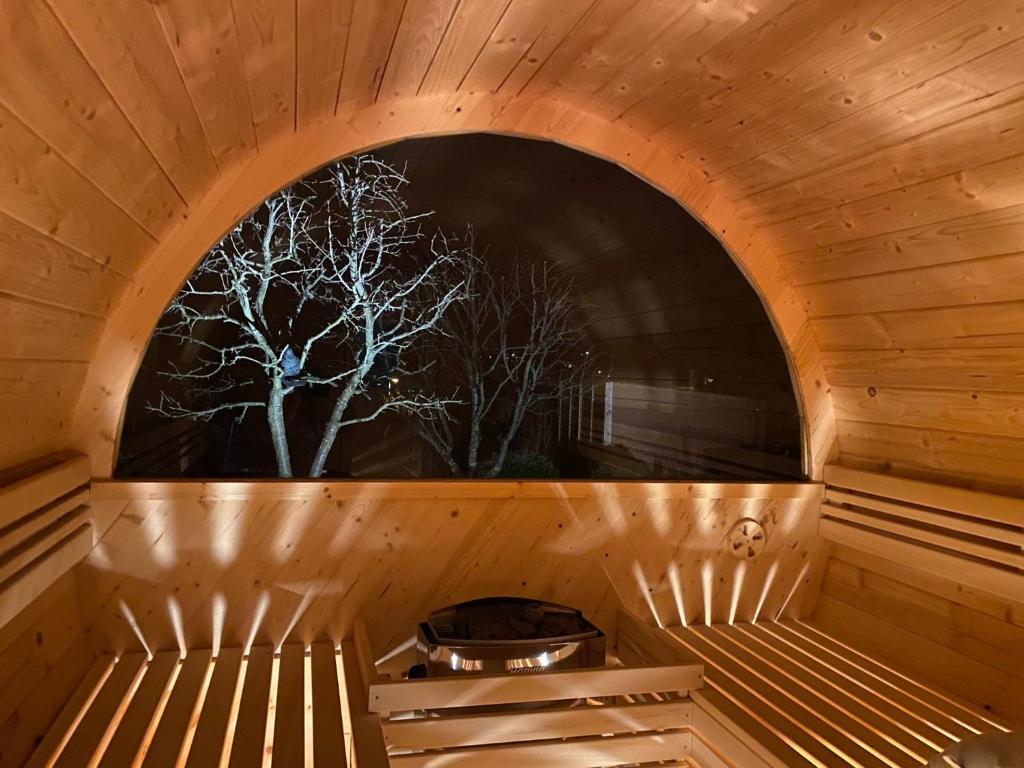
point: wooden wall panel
(44, 654)
(299, 561)
(960, 639)
(872, 150)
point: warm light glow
(677, 591)
(296, 517)
(227, 523)
(769, 577)
(162, 550)
(174, 611)
(737, 587)
(707, 582)
(300, 610)
(792, 591)
(134, 624)
(220, 609)
(645, 590)
(262, 604)
(397, 651)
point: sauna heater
(510, 635)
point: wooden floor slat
(169, 739)
(101, 719)
(577, 753)
(212, 729)
(251, 725)
(67, 721)
(919, 730)
(289, 719)
(328, 728)
(125, 745)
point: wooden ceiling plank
(267, 43)
(990, 370)
(982, 234)
(41, 190)
(372, 36)
(203, 39)
(973, 281)
(471, 27)
(500, 69)
(968, 326)
(976, 412)
(965, 118)
(922, 45)
(125, 45)
(42, 332)
(419, 36)
(993, 185)
(321, 42)
(53, 89)
(55, 274)
(798, 45)
(674, 54)
(595, 45)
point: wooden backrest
(45, 529)
(976, 538)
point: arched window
(466, 306)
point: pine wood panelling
(47, 84)
(125, 45)
(55, 274)
(43, 332)
(423, 27)
(267, 42)
(872, 147)
(371, 38)
(204, 40)
(321, 40)
(470, 28)
(307, 565)
(44, 653)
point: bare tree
(327, 284)
(516, 344)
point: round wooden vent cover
(747, 538)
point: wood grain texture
(303, 568)
(863, 162)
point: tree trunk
(278, 433)
(334, 426)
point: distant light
(394, 379)
(543, 659)
(455, 661)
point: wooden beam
(576, 753)
(117, 490)
(984, 506)
(26, 496)
(328, 729)
(989, 578)
(368, 745)
(479, 690)
(525, 725)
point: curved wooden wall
(864, 162)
